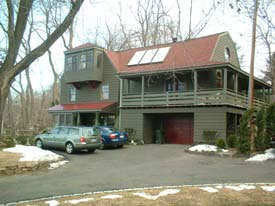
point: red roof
(87, 106)
(184, 54)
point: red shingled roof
(184, 54)
(87, 106)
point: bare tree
(17, 18)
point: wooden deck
(208, 97)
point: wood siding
(87, 93)
(205, 118)
(224, 41)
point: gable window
(72, 94)
(69, 63)
(227, 54)
(105, 92)
(83, 61)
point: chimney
(174, 39)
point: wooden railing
(206, 97)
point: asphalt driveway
(131, 167)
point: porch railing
(206, 97)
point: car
(70, 138)
(112, 137)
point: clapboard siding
(224, 41)
(86, 93)
(205, 119)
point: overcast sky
(93, 15)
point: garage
(178, 129)
(173, 128)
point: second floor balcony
(209, 87)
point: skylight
(148, 57)
(161, 54)
(136, 58)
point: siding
(86, 93)
(223, 42)
(205, 118)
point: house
(183, 88)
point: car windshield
(90, 131)
(108, 129)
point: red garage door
(179, 130)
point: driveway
(131, 167)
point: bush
(220, 143)
(243, 144)
(209, 136)
(8, 142)
(22, 140)
(260, 132)
(270, 124)
(231, 141)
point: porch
(204, 87)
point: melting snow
(209, 189)
(57, 164)
(154, 197)
(31, 153)
(269, 154)
(268, 188)
(204, 148)
(74, 202)
(52, 203)
(236, 188)
(247, 187)
(111, 197)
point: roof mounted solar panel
(136, 58)
(160, 55)
(147, 58)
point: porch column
(263, 91)
(195, 86)
(236, 83)
(120, 101)
(128, 86)
(224, 84)
(142, 91)
(97, 119)
(78, 119)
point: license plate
(93, 140)
(121, 136)
(114, 140)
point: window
(69, 63)
(83, 61)
(105, 92)
(227, 54)
(69, 119)
(74, 131)
(72, 94)
(63, 130)
(61, 119)
(74, 63)
(54, 130)
(99, 61)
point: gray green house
(182, 89)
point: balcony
(202, 98)
(84, 75)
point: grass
(188, 196)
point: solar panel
(147, 58)
(161, 54)
(136, 58)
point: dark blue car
(112, 137)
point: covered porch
(85, 114)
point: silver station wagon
(70, 138)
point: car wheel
(102, 146)
(69, 148)
(91, 150)
(39, 144)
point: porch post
(120, 101)
(128, 86)
(97, 119)
(236, 89)
(224, 84)
(195, 86)
(78, 119)
(142, 91)
(263, 91)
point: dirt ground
(188, 196)
(8, 158)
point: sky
(94, 15)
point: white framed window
(83, 61)
(72, 94)
(105, 91)
(69, 63)
(227, 54)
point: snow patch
(55, 165)
(52, 203)
(74, 202)
(34, 154)
(269, 154)
(154, 197)
(111, 197)
(219, 187)
(203, 148)
(247, 187)
(209, 189)
(236, 188)
(268, 188)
